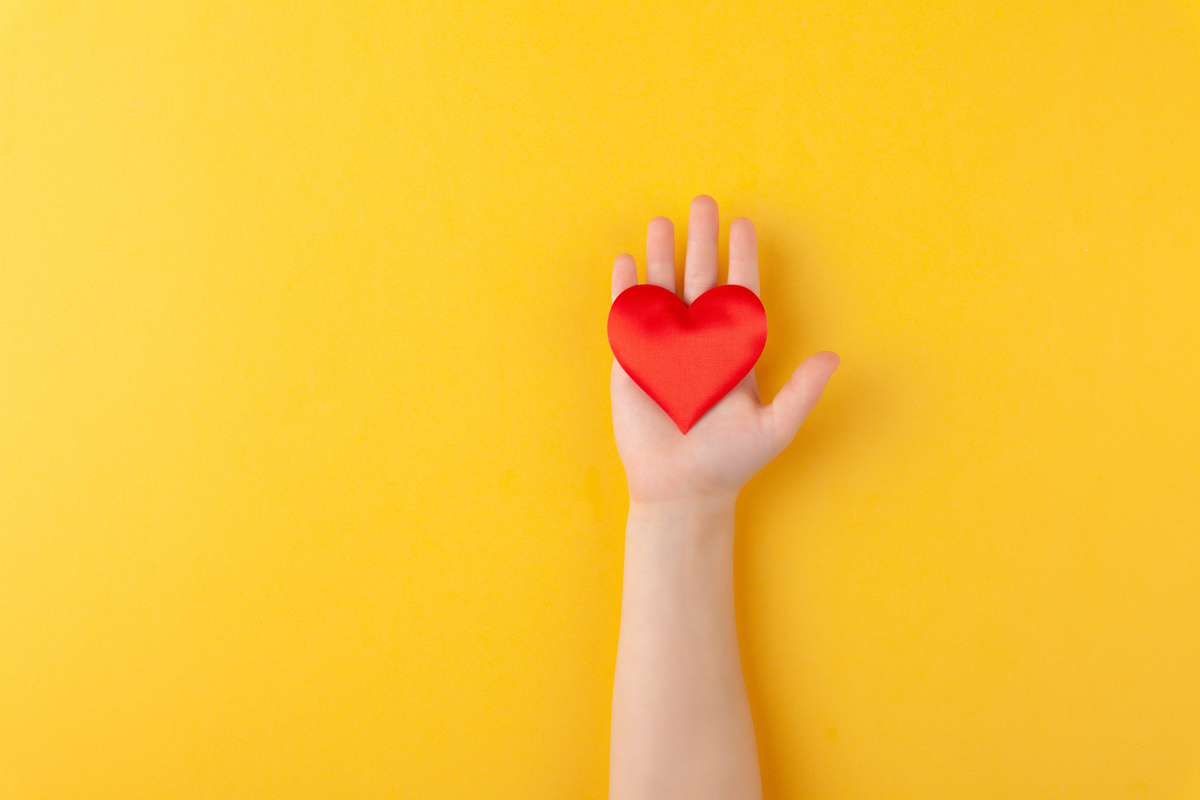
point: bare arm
(681, 724)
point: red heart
(687, 357)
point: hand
(736, 437)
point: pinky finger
(624, 274)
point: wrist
(683, 507)
(705, 522)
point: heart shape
(687, 357)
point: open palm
(737, 436)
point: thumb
(799, 395)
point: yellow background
(307, 481)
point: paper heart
(687, 357)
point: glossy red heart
(687, 357)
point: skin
(681, 724)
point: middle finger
(700, 270)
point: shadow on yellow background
(307, 482)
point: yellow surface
(307, 482)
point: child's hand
(736, 437)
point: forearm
(681, 724)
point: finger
(700, 272)
(799, 395)
(660, 253)
(743, 254)
(624, 274)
